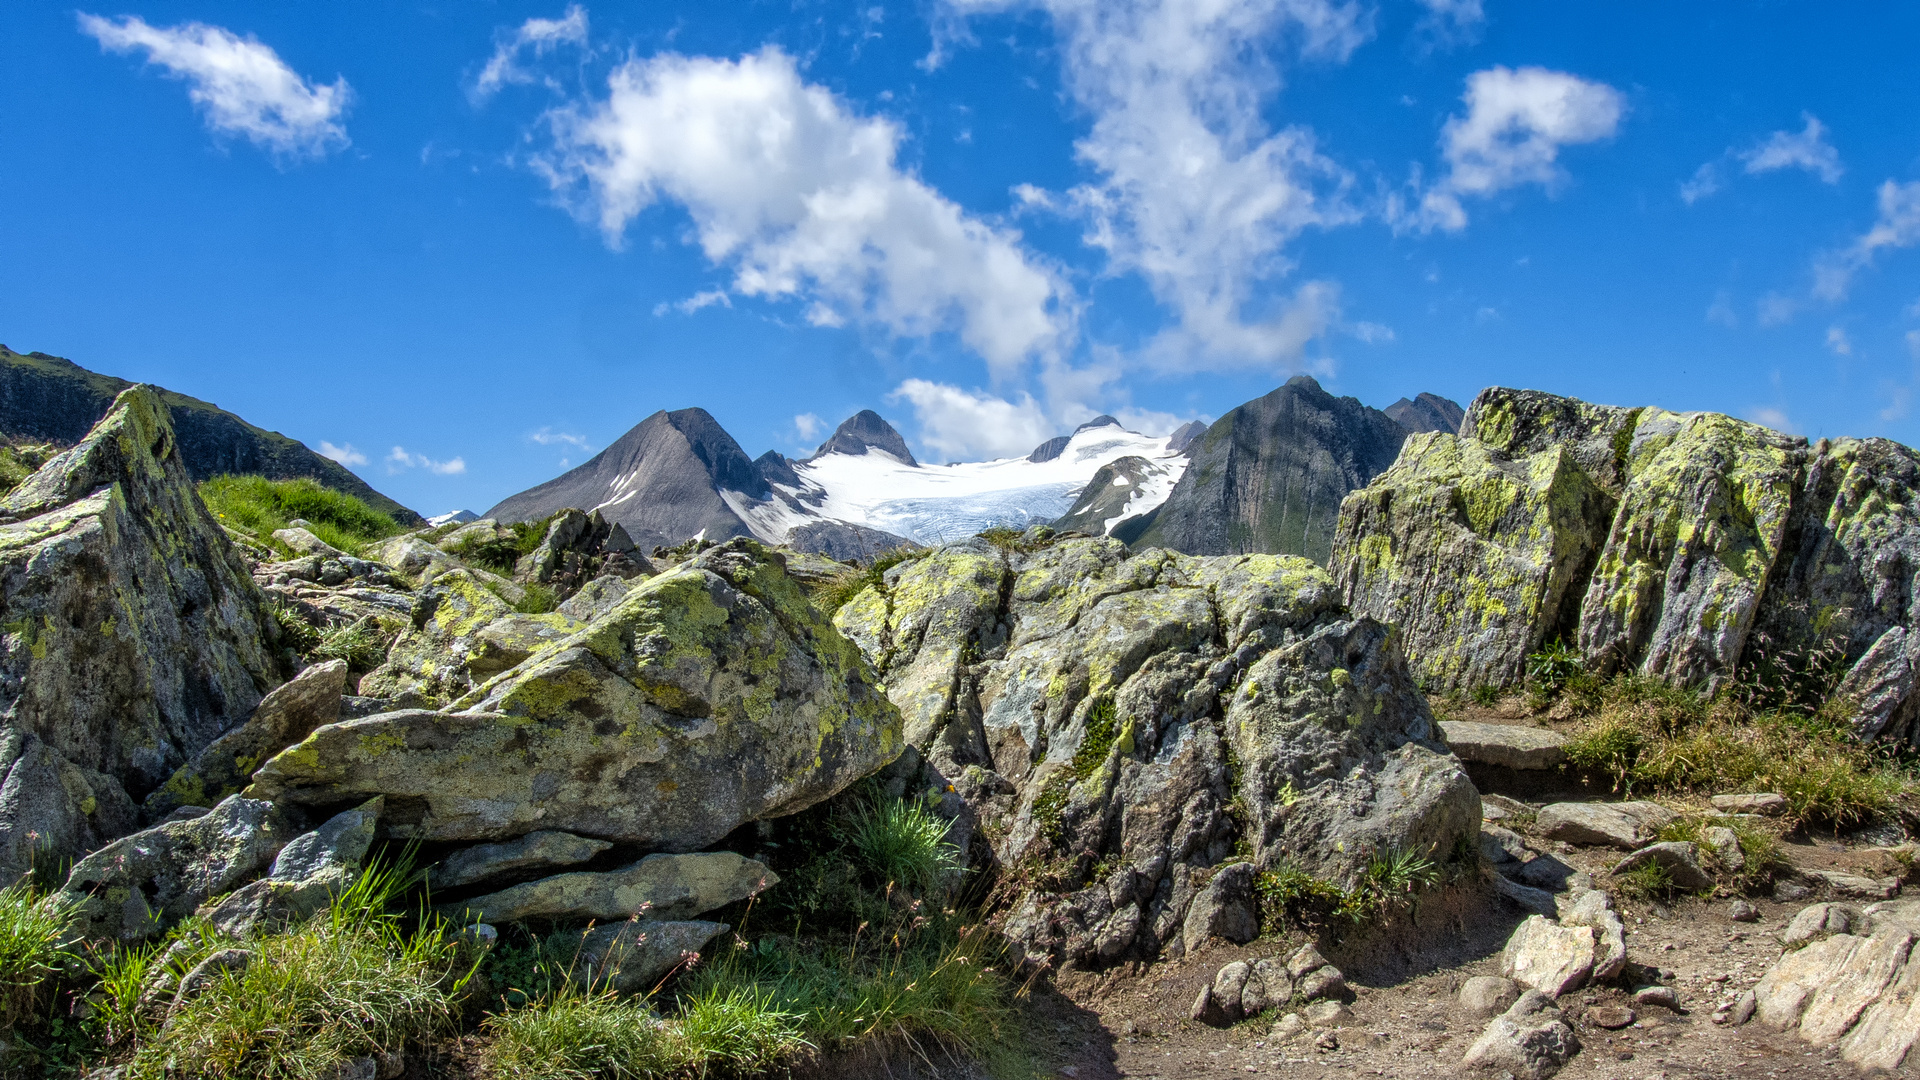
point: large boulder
(133, 633)
(285, 716)
(1858, 990)
(308, 874)
(712, 695)
(139, 886)
(658, 886)
(1083, 706)
(461, 634)
(1686, 546)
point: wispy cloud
(1806, 149)
(1516, 123)
(541, 36)
(960, 424)
(400, 459)
(1451, 22)
(241, 85)
(1705, 183)
(694, 303)
(1774, 418)
(1838, 342)
(808, 426)
(1898, 226)
(345, 455)
(546, 436)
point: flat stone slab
(1505, 745)
(1625, 825)
(668, 888)
(1769, 803)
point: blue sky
(465, 245)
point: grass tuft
(576, 1035)
(832, 595)
(257, 506)
(32, 926)
(902, 842)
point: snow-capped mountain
(930, 504)
(678, 475)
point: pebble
(1743, 911)
(1611, 1017)
(1657, 995)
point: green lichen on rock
(711, 695)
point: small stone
(1224, 909)
(1229, 985)
(1820, 920)
(1322, 1014)
(1542, 955)
(478, 937)
(1791, 892)
(1680, 859)
(632, 956)
(205, 973)
(1530, 1040)
(1662, 996)
(1625, 825)
(1725, 846)
(1743, 1008)
(1610, 1017)
(1743, 911)
(1203, 1009)
(1484, 997)
(1326, 1040)
(1769, 803)
(1855, 887)
(536, 850)
(1325, 982)
(1287, 1027)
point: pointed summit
(1428, 412)
(864, 431)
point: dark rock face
(46, 397)
(1427, 412)
(1184, 435)
(661, 481)
(1106, 496)
(1269, 476)
(131, 634)
(844, 541)
(864, 431)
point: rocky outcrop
(1427, 412)
(1144, 712)
(1651, 541)
(658, 886)
(712, 695)
(48, 398)
(460, 634)
(133, 633)
(864, 431)
(306, 876)
(1853, 982)
(1116, 500)
(1269, 476)
(284, 717)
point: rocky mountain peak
(1427, 412)
(863, 431)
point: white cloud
(1721, 310)
(1706, 182)
(1773, 418)
(1516, 123)
(542, 36)
(1776, 310)
(546, 436)
(1838, 341)
(959, 425)
(400, 458)
(1194, 192)
(345, 455)
(1452, 22)
(1152, 421)
(241, 85)
(1807, 149)
(1897, 227)
(1913, 344)
(804, 199)
(694, 303)
(808, 425)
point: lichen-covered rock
(138, 886)
(131, 634)
(548, 848)
(1657, 542)
(306, 876)
(1479, 557)
(1625, 825)
(713, 695)
(284, 717)
(1507, 746)
(1079, 705)
(657, 887)
(462, 634)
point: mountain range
(1266, 477)
(47, 398)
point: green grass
(576, 1035)
(502, 553)
(21, 460)
(902, 842)
(1649, 737)
(31, 953)
(1759, 851)
(257, 506)
(833, 595)
(1392, 880)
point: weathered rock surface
(712, 695)
(1651, 541)
(1858, 988)
(131, 634)
(1531, 1040)
(461, 634)
(548, 848)
(1594, 908)
(138, 886)
(284, 717)
(1243, 989)
(1769, 803)
(1542, 955)
(1484, 997)
(306, 876)
(1625, 825)
(1679, 858)
(632, 956)
(1224, 909)
(1085, 703)
(1505, 745)
(667, 887)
